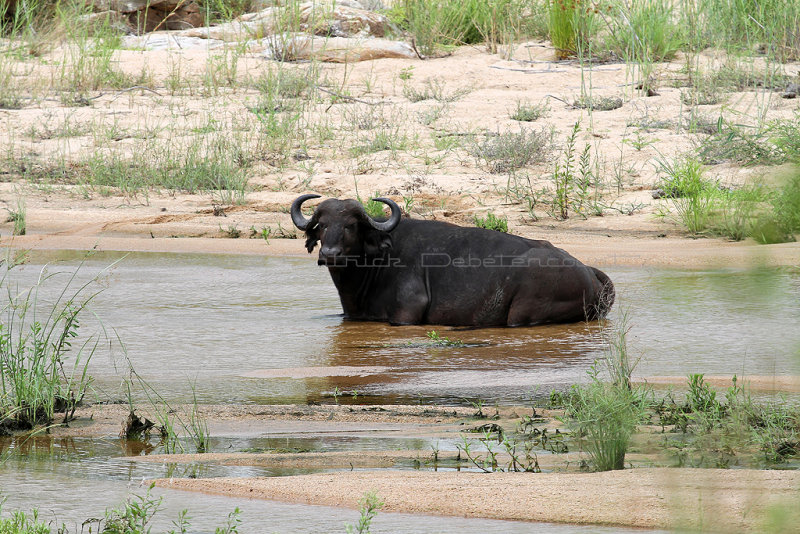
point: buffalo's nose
(330, 252)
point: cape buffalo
(408, 271)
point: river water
(265, 330)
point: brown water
(220, 320)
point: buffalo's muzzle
(329, 255)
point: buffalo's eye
(350, 227)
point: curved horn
(297, 216)
(394, 218)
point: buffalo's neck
(354, 284)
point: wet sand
(777, 384)
(592, 249)
(714, 499)
(719, 500)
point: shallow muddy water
(72, 480)
(264, 330)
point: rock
(791, 91)
(342, 21)
(168, 41)
(103, 20)
(248, 26)
(150, 15)
(126, 6)
(167, 16)
(293, 47)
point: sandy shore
(592, 249)
(719, 500)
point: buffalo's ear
(312, 237)
(377, 243)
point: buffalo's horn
(297, 216)
(394, 218)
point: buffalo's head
(344, 229)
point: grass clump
(571, 26)
(710, 430)
(606, 414)
(738, 144)
(769, 26)
(134, 516)
(224, 10)
(389, 137)
(510, 151)
(374, 209)
(644, 31)
(782, 221)
(43, 366)
(598, 103)
(438, 340)
(18, 216)
(526, 112)
(209, 164)
(433, 89)
(437, 27)
(21, 523)
(492, 222)
(689, 191)
(703, 206)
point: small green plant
(231, 232)
(492, 222)
(192, 424)
(510, 151)
(20, 522)
(527, 112)
(598, 103)
(701, 97)
(640, 142)
(9, 99)
(231, 523)
(438, 340)
(373, 208)
(264, 233)
(133, 516)
(701, 397)
(406, 73)
(197, 426)
(690, 193)
(572, 180)
(434, 89)
(369, 505)
(18, 217)
(782, 222)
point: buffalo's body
(429, 272)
